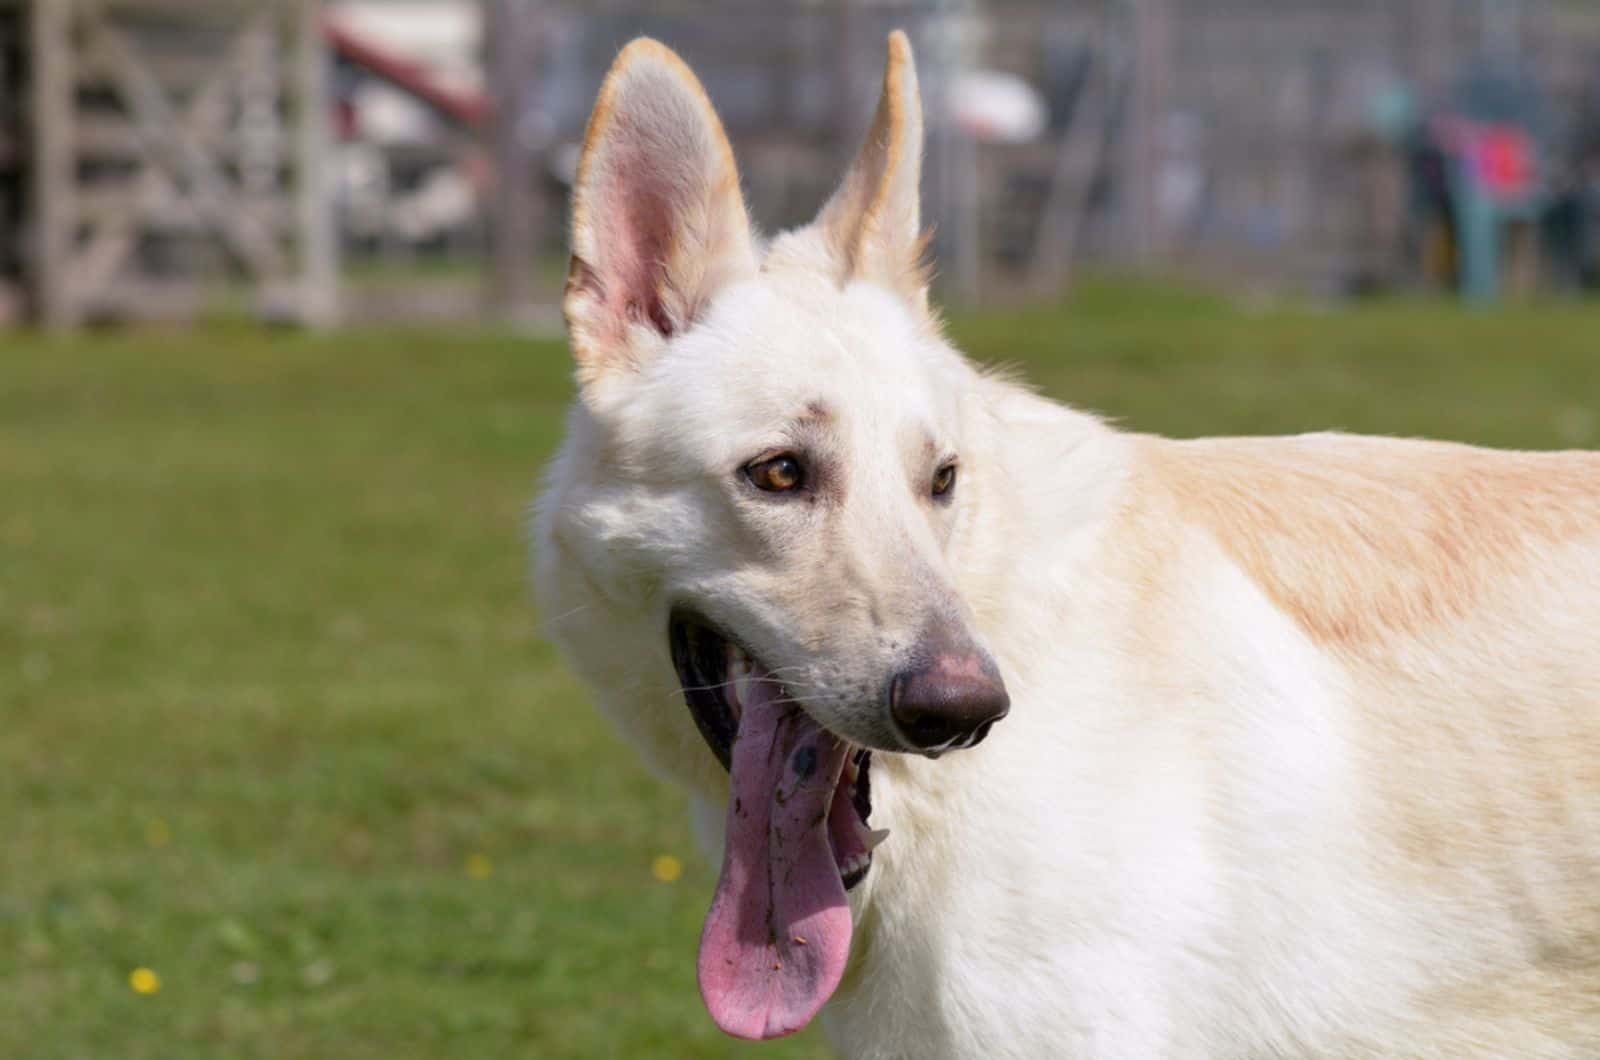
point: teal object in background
(1495, 138)
(1495, 180)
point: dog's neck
(1053, 478)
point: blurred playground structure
(398, 158)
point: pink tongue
(778, 933)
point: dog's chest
(997, 947)
(975, 1002)
(1087, 918)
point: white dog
(1303, 747)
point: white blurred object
(444, 35)
(443, 202)
(363, 175)
(996, 107)
(385, 115)
(1181, 182)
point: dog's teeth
(738, 675)
(875, 838)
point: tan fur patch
(1356, 537)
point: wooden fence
(167, 143)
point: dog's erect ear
(873, 222)
(658, 223)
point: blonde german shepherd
(1020, 736)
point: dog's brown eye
(944, 480)
(778, 474)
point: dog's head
(785, 420)
(776, 472)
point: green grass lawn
(276, 724)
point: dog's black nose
(951, 700)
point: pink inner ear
(633, 229)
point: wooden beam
(109, 137)
(12, 303)
(318, 244)
(53, 177)
(179, 72)
(144, 299)
(158, 206)
(177, 7)
(514, 208)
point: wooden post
(1500, 30)
(1434, 36)
(53, 177)
(953, 210)
(514, 208)
(1152, 58)
(318, 245)
(1078, 160)
(964, 209)
(846, 123)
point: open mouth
(777, 936)
(718, 677)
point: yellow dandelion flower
(479, 867)
(666, 868)
(144, 981)
(156, 833)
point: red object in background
(464, 107)
(1499, 157)
(1502, 160)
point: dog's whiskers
(797, 695)
(563, 616)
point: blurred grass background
(277, 726)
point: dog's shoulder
(1357, 537)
